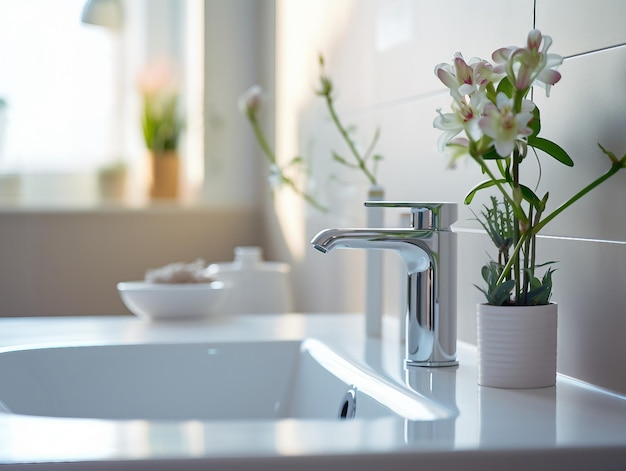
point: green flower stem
(487, 170)
(533, 241)
(267, 150)
(616, 167)
(515, 259)
(308, 198)
(526, 262)
(520, 286)
(514, 256)
(346, 137)
(258, 132)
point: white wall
(381, 55)
(68, 262)
(235, 56)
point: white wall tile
(375, 71)
(578, 26)
(589, 288)
(586, 108)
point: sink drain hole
(347, 408)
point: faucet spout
(411, 245)
(430, 309)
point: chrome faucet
(428, 249)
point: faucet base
(429, 364)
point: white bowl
(172, 301)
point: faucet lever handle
(439, 216)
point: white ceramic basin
(205, 381)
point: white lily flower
(504, 126)
(528, 65)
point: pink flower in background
(157, 77)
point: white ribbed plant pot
(517, 346)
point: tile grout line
(468, 230)
(595, 51)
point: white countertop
(572, 425)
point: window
(69, 89)
(58, 81)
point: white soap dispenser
(255, 286)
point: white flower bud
(250, 102)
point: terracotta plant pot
(517, 346)
(165, 174)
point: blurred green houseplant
(160, 120)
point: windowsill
(159, 207)
(83, 193)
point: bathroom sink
(264, 380)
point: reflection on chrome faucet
(436, 384)
(428, 249)
(440, 386)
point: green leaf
(535, 123)
(530, 196)
(491, 154)
(503, 167)
(544, 264)
(534, 282)
(482, 290)
(544, 201)
(342, 161)
(502, 293)
(551, 149)
(339, 158)
(484, 271)
(505, 87)
(297, 160)
(540, 290)
(498, 295)
(481, 186)
(609, 154)
(539, 296)
(547, 278)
